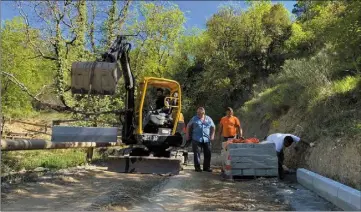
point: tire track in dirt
(192, 191)
(97, 189)
(86, 190)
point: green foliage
(160, 30)
(22, 61)
(237, 50)
(345, 85)
(335, 23)
(223, 65)
(345, 33)
(309, 73)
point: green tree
(237, 50)
(20, 64)
(65, 26)
(159, 30)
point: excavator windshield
(172, 102)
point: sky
(196, 12)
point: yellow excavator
(149, 132)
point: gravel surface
(94, 188)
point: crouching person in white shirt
(282, 140)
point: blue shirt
(201, 130)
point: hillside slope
(332, 121)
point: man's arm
(212, 130)
(220, 129)
(188, 130)
(297, 147)
(239, 129)
(299, 140)
(311, 144)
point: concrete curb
(342, 196)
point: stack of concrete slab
(258, 160)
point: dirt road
(96, 189)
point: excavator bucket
(144, 165)
(102, 76)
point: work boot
(207, 170)
(198, 169)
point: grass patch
(345, 85)
(270, 100)
(49, 116)
(52, 159)
(338, 87)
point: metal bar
(84, 134)
(37, 144)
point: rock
(65, 171)
(32, 177)
(5, 186)
(40, 169)
(277, 201)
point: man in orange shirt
(230, 126)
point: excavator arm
(101, 77)
(119, 53)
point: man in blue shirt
(201, 130)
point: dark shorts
(226, 138)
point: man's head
(175, 95)
(159, 92)
(201, 111)
(229, 111)
(288, 140)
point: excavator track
(144, 165)
(139, 160)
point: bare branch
(66, 24)
(25, 89)
(26, 19)
(54, 107)
(43, 56)
(67, 2)
(92, 27)
(42, 90)
(123, 13)
(71, 42)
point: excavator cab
(159, 128)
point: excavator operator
(160, 99)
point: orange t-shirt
(229, 125)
